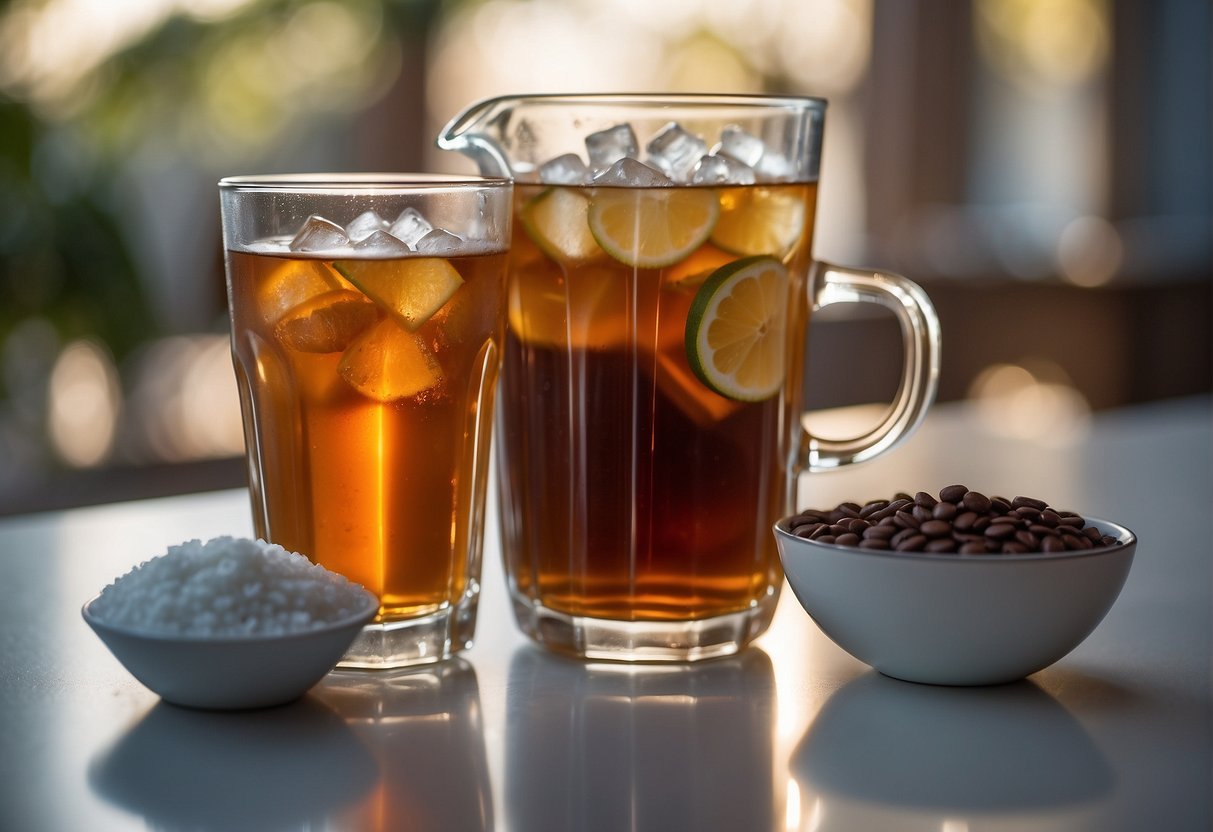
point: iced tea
(370, 425)
(641, 476)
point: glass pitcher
(661, 281)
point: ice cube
(633, 174)
(775, 167)
(364, 225)
(439, 242)
(606, 147)
(722, 170)
(564, 170)
(740, 145)
(410, 226)
(674, 151)
(319, 234)
(382, 244)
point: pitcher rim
(448, 136)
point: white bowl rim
(371, 607)
(1126, 539)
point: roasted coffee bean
(944, 511)
(976, 501)
(936, 528)
(953, 493)
(1000, 530)
(913, 543)
(1052, 544)
(879, 532)
(959, 521)
(1027, 512)
(965, 520)
(871, 508)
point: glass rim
(360, 182)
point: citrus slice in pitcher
(757, 220)
(410, 289)
(387, 363)
(650, 228)
(735, 332)
(557, 221)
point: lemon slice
(292, 283)
(757, 220)
(387, 363)
(735, 339)
(557, 221)
(410, 289)
(326, 323)
(650, 228)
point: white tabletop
(791, 735)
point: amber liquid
(388, 493)
(630, 490)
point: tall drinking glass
(367, 317)
(661, 283)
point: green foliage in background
(62, 255)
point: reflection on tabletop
(424, 727)
(366, 751)
(278, 768)
(597, 746)
(889, 754)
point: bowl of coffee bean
(954, 588)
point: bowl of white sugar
(229, 624)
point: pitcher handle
(920, 371)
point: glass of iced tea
(661, 281)
(367, 316)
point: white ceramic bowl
(231, 673)
(953, 620)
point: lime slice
(387, 363)
(292, 283)
(327, 322)
(650, 228)
(757, 220)
(410, 289)
(557, 221)
(735, 338)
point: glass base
(645, 641)
(413, 641)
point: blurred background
(1041, 167)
